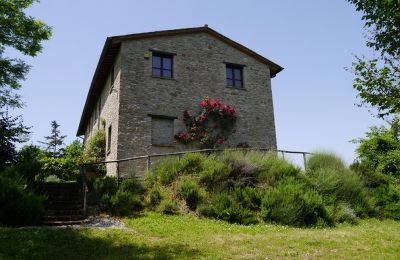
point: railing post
(305, 161)
(148, 164)
(283, 155)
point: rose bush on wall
(211, 126)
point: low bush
(292, 203)
(224, 207)
(167, 171)
(106, 185)
(214, 175)
(192, 163)
(190, 192)
(168, 206)
(328, 175)
(155, 197)
(324, 161)
(275, 169)
(125, 203)
(122, 199)
(248, 197)
(18, 206)
(344, 213)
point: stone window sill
(230, 87)
(155, 77)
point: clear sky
(313, 40)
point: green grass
(186, 237)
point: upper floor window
(162, 65)
(234, 76)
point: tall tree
(378, 80)
(12, 131)
(54, 141)
(24, 34)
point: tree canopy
(23, 33)
(378, 80)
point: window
(234, 76)
(109, 139)
(161, 65)
(162, 131)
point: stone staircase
(64, 205)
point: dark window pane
(238, 83)
(238, 74)
(167, 63)
(156, 72)
(229, 73)
(229, 82)
(156, 62)
(167, 73)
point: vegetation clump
(248, 187)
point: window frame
(233, 67)
(162, 56)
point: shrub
(224, 207)
(248, 197)
(29, 163)
(192, 163)
(190, 192)
(106, 185)
(125, 203)
(168, 206)
(124, 199)
(324, 161)
(387, 200)
(390, 164)
(214, 174)
(19, 207)
(328, 175)
(344, 213)
(167, 170)
(242, 172)
(132, 185)
(291, 203)
(274, 169)
(155, 197)
(95, 151)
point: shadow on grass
(84, 244)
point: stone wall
(199, 71)
(106, 114)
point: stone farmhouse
(144, 81)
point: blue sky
(313, 40)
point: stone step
(75, 206)
(64, 197)
(62, 223)
(63, 218)
(64, 212)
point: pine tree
(12, 131)
(54, 141)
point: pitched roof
(112, 46)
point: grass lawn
(167, 237)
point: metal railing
(149, 157)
